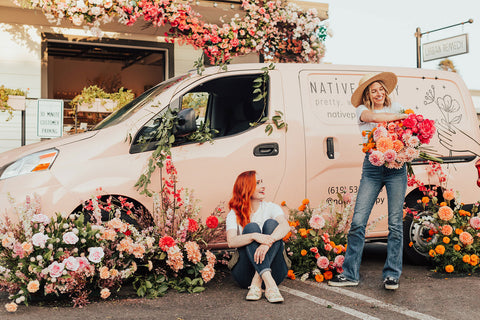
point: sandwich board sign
(50, 118)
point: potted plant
(12, 99)
(95, 99)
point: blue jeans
(372, 182)
(274, 262)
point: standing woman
(373, 107)
(256, 228)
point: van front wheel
(417, 239)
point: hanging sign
(445, 48)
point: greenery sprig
(4, 93)
(89, 94)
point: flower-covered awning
(280, 31)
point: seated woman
(256, 228)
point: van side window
(225, 104)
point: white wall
(19, 69)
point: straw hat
(388, 78)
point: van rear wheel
(417, 239)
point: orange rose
(303, 252)
(466, 238)
(319, 277)
(447, 230)
(440, 249)
(445, 213)
(448, 195)
(328, 275)
(449, 268)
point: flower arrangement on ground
(83, 256)
(453, 240)
(398, 142)
(318, 238)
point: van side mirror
(186, 122)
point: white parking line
(375, 302)
(326, 303)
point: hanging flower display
(282, 33)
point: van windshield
(133, 106)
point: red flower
(192, 225)
(212, 222)
(166, 242)
(127, 233)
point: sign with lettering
(50, 118)
(445, 48)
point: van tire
(415, 246)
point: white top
(266, 210)
(395, 107)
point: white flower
(55, 269)
(40, 218)
(39, 239)
(71, 263)
(95, 254)
(70, 238)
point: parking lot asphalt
(422, 295)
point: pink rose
(410, 122)
(71, 263)
(56, 269)
(323, 262)
(82, 263)
(475, 223)
(95, 254)
(70, 238)
(314, 250)
(316, 222)
(338, 262)
(39, 239)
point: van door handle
(330, 148)
(266, 149)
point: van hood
(12, 155)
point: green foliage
(4, 93)
(89, 94)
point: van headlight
(38, 161)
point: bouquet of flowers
(317, 241)
(398, 142)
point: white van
(317, 157)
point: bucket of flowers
(318, 238)
(395, 143)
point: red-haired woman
(256, 228)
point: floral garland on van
(281, 33)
